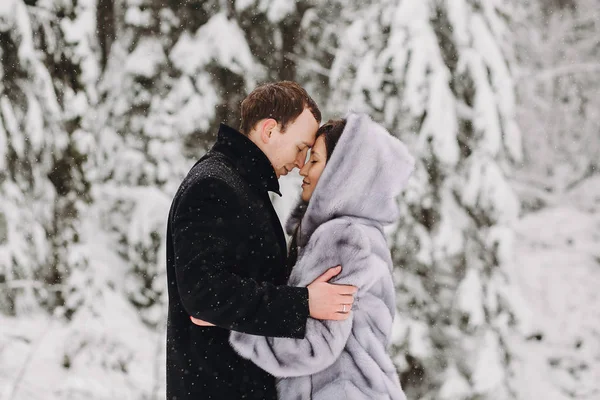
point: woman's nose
(304, 170)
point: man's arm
(324, 340)
(202, 229)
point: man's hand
(199, 322)
(327, 301)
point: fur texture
(343, 224)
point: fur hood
(367, 171)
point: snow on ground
(107, 353)
(104, 352)
(112, 357)
(558, 272)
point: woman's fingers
(347, 300)
(345, 307)
(340, 316)
(347, 289)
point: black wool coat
(226, 264)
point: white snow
(441, 125)
(3, 146)
(146, 59)
(547, 274)
(558, 272)
(485, 187)
(17, 140)
(241, 5)
(277, 10)
(136, 17)
(220, 40)
(469, 298)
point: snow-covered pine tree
(174, 71)
(171, 71)
(172, 74)
(438, 74)
(42, 183)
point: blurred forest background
(106, 104)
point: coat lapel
(278, 230)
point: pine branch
(531, 189)
(589, 171)
(550, 73)
(311, 64)
(25, 283)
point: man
(226, 252)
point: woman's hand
(199, 322)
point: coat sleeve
(205, 251)
(324, 340)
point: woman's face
(313, 169)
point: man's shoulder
(213, 175)
(213, 167)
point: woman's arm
(281, 357)
(340, 243)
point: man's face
(287, 150)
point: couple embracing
(249, 319)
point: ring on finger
(343, 308)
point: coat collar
(249, 160)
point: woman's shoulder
(348, 227)
(338, 227)
(342, 233)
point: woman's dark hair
(331, 130)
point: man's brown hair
(283, 101)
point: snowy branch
(581, 68)
(310, 64)
(28, 284)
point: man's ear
(266, 127)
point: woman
(355, 172)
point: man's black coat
(226, 257)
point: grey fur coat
(343, 224)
